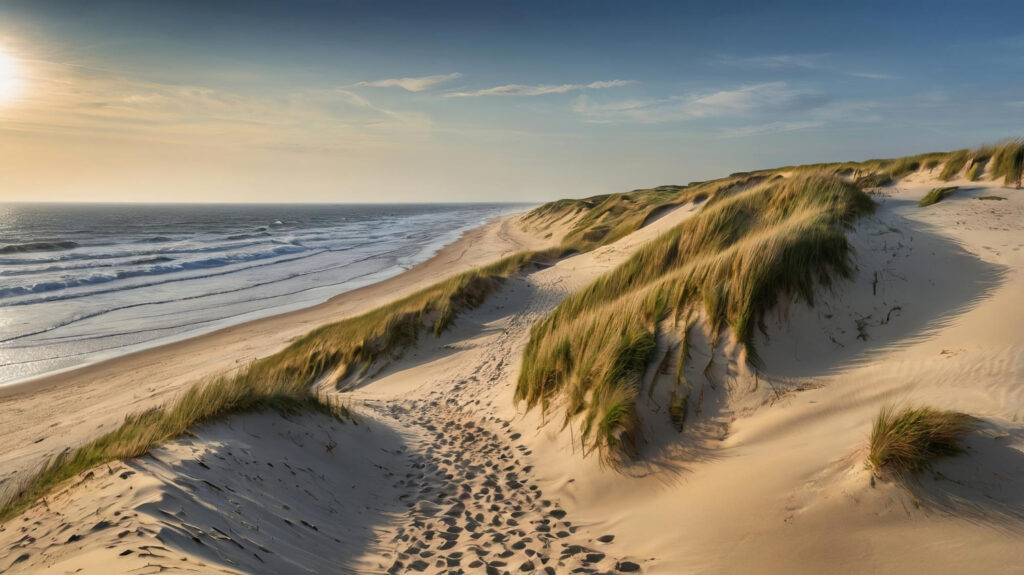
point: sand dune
(445, 474)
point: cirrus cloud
(412, 84)
(749, 100)
(538, 90)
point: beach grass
(733, 260)
(909, 440)
(937, 195)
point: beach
(442, 471)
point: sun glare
(8, 78)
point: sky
(383, 101)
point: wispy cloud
(538, 90)
(416, 84)
(70, 100)
(750, 100)
(820, 62)
(769, 128)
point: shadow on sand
(985, 485)
(268, 494)
(911, 282)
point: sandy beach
(445, 473)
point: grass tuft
(937, 195)
(910, 440)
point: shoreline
(59, 360)
(43, 415)
(6, 387)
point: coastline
(42, 415)
(176, 313)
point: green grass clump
(996, 198)
(733, 260)
(910, 440)
(1008, 162)
(954, 163)
(937, 195)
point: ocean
(84, 282)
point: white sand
(769, 478)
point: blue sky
(455, 101)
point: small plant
(937, 195)
(995, 198)
(909, 440)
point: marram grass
(909, 440)
(733, 261)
